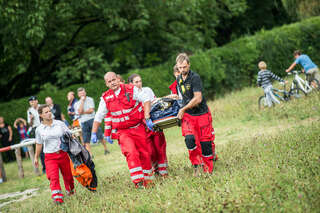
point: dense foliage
(58, 43)
(301, 9)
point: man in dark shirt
(55, 109)
(196, 120)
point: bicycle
(304, 85)
(282, 95)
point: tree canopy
(57, 43)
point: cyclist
(264, 80)
(309, 68)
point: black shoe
(139, 185)
(106, 152)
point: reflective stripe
(108, 97)
(135, 177)
(162, 165)
(206, 156)
(130, 109)
(193, 148)
(114, 131)
(162, 172)
(149, 177)
(57, 196)
(135, 169)
(147, 171)
(116, 113)
(115, 120)
(107, 119)
(140, 109)
(56, 192)
(212, 132)
(107, 127)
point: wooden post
(19, 162)
(4, 177)
(31, 154)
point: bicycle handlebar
(294, 72)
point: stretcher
(164, 123)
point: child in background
(264, 80)
(21, 125)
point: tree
(65, 42)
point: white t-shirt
(36, 119)
(49, 136)
(102, 109)
(148, 92)
(88, 104)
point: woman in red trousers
(48, 135)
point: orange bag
(83, 175)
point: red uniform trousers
(199, 138)
(158, 145)
(134, 146)
(54, 162)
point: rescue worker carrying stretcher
(124, 103)
(156, 139)
(195, 116)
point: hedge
(222, 69)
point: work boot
(148, 183)
(139, 185)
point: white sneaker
(1, 180)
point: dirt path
(17, 196)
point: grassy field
(269, 161)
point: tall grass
(269, 161)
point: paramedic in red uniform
(48, 134)
(196, 121)
(174, 86)
(157, 139)
(124, 102)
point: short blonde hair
(262, 65)
(182, 57)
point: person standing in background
(85, 109)
(34, 121)
(21, 125)
(72, 100)
(6, 139)
(56, 110)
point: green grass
(269, 161)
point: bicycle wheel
(314, 83)
(297, 93)
(262, 102)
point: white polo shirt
(88, 104)
(36, 119)
(49, 136)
